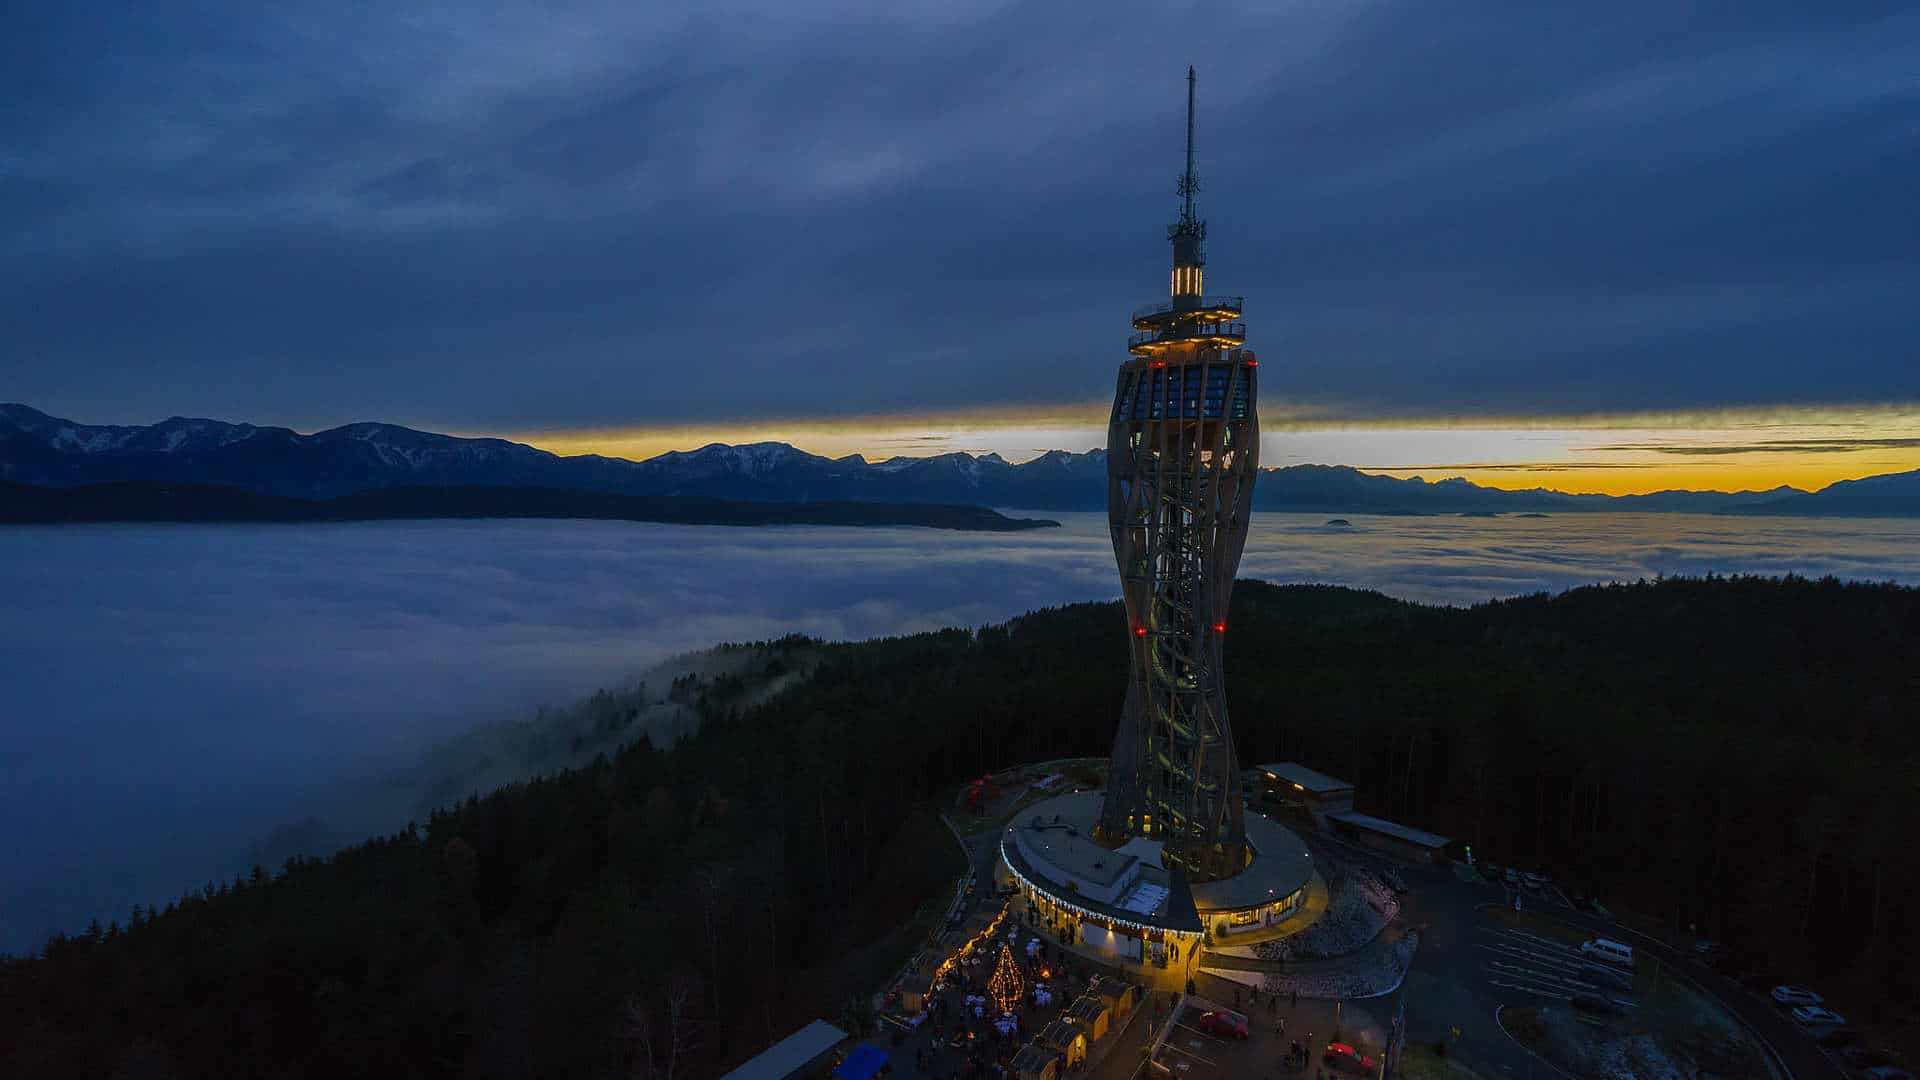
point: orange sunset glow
(1722, 450)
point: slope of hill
(1890, 495)
(1731, 753)
(136, 500)
(39, 449)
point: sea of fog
(170, 694)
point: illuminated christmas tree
(1006, 988)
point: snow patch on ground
(1360, 905)
(1371, 974)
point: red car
(1342, 1056)
(1227, 1025)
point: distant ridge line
(48, 451)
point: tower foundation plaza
(1123, 907)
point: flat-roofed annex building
(799, 1054)
(1291, 781)
(1400, 841)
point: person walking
(1296, 1001)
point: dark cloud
(1767, 446)
(1526, 466)
(538, 216)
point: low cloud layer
(176, 692)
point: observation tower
(1166, 854)
(1183, 444)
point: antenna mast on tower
(1189, 183)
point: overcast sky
(549, 217)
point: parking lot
(1527, 963)
(1192, 1053)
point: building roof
(1064, 838)
(1034, 1058)
(1061, 1034)
(791, 1054)
(1394, 829)
(864, 1063)
(1086, 1007)
(1293, 772)
(1281, 867)
(1107, 986)
(1180, 914)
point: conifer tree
(1007, 986)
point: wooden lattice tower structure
(1182, 452)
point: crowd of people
(965, 1034)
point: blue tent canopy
(864, 1063)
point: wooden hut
(1067, 1038)
(914, 990)
(1090, 1013)
(1036, 1062)
(1117, 994)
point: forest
(1738, 754)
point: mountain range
(48, 451)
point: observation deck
(1210, 335)
(1211, 309)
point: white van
(1611, 951)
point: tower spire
(1190, 234)
(1189, 183)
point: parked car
(1226, 1025)
(1593, 1003)
(1796, 995)
(1511, 876)
(1861, 1057)
(1708, 950)
(1342, 1056)
(1818, 1016)
(1838, 1037)
(1756, 979)
(1617, 977)
(1606, 949)
(1886, 1072)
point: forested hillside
(1740, 754)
